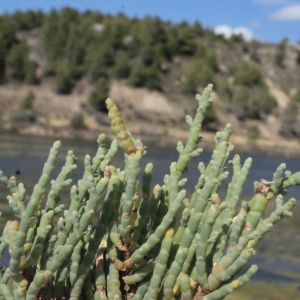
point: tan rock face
(281, 97)
(143, 101)
(149, 115)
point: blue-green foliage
(121, 238)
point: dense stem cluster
(146, 241)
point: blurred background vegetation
(175, 59)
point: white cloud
(228, 31)
(224, 30)
(289, 13)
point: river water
(25, 156)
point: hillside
(57, 69)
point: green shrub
(8, 29)
(298, 57)
(296, 97)
(223, 89)
(138, 74)
(95, 64)
(18, 64)
(77, 121)
(253, 103)
(290, 125)
(2, 64)
(197, 74)
(157, 40)
(185, 40)
(151, 55)
(115, 29)
(55, 33)
(210, 119)
(29, 19)
(247, 74)
(99, 94)
(209, 56)
(75, 48)
(280, 53)
(65, 36)
(121, 67)
(63, 80)
(153, 78)
(27, 102)
(253, 51)
(264, 102)
(145, 76)
(253, 132)
(30, 77)
(239, 101)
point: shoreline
(284, 147)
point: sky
(264, 20)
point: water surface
(26, 155)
